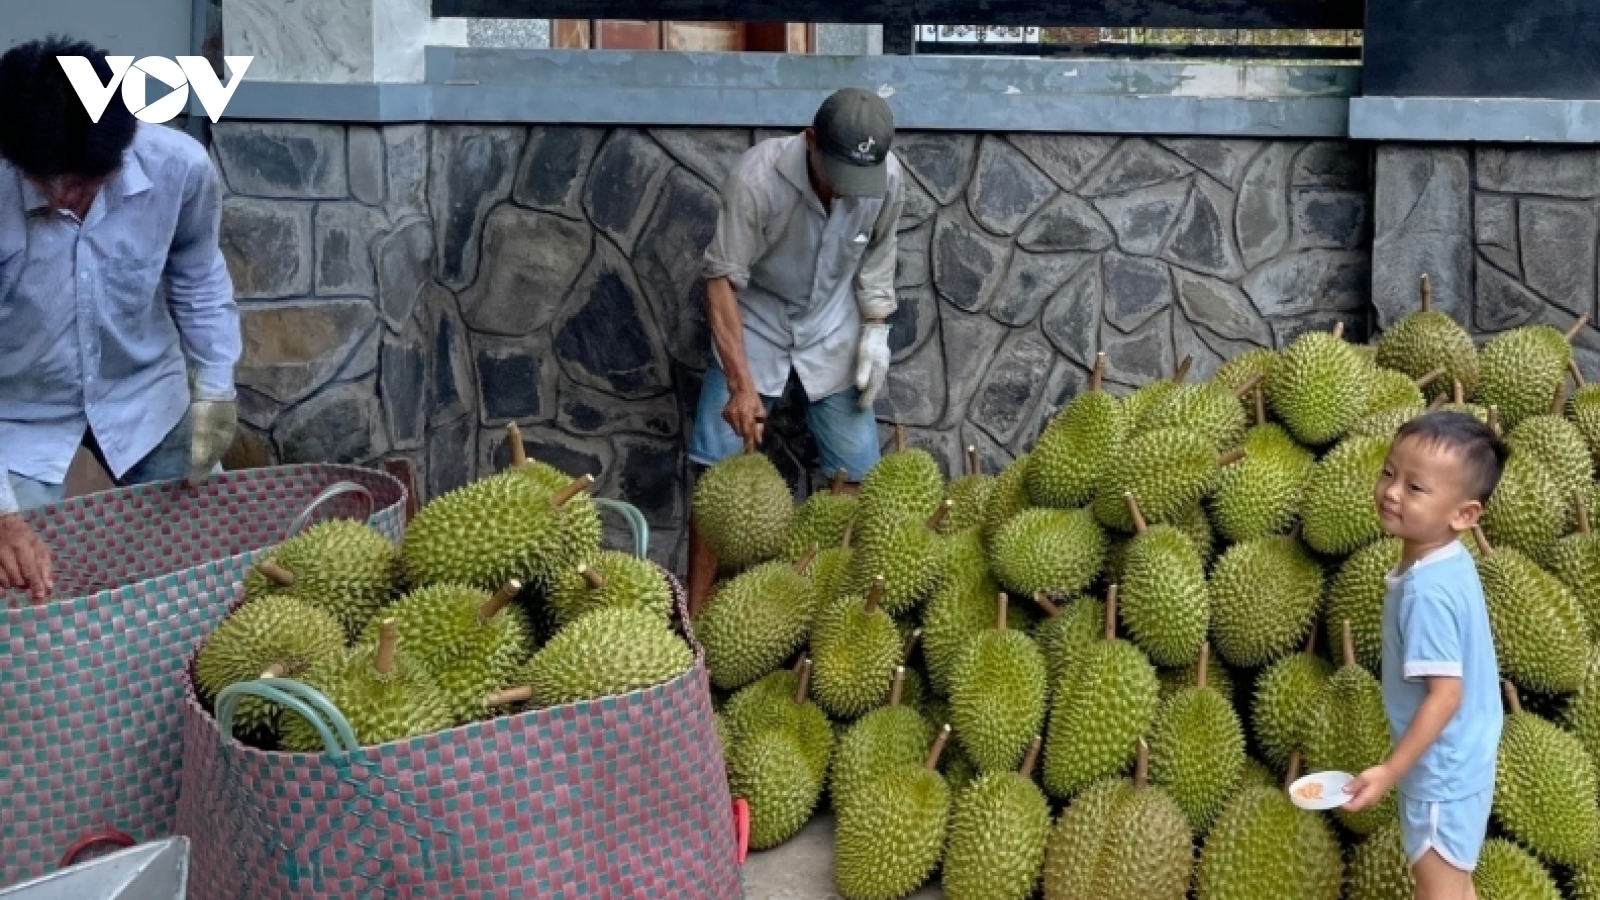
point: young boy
(1440, 677)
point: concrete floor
(802, 868)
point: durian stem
(560, 498)
(1205, 661)
(1338, 331)
(1428, 379)
(1349, 645)
(509, 696)
(1231, 457)
(938, 515)
(1111, 613)
(1577, 374)
(1141, 765)
(899, 439)
(1457, 392)
(1050, 609)
(1482, 540)
(519, 451)
(938, 748)
(388, 643)
(1494, 419)
(972, 460)
(911, 644)
(898, 686)
(838, 483)
(849, 532)
(501, 599)
(1000, 618)
(1311, 642)
(276, 573)
(805, 562)
(276, 670)
(1577, 327)
(1032, 759)
(875, 595)
(1513, 702)
(1583, 512)
(1183, 370)
(1295, 532)
(1427, 292)
(804, 688)
(1248, 386)
(1558, 406)
(595, 579)
(1098, 374)
(1438, 402)
(1293, 773)
(1261, 405)
(1140, 526)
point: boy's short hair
(1483, 453)
(44, 129)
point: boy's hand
(1369, 787)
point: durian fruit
(742, 507)
(855, 648)
(1164, 599)
(782, 745)
(1120, 839)
(1379, 869)
(577, 535)
(1283, 710)
(961, 606)
(1106, 701)
(1008, 497)
(1196, 526)
(1355, 595)
(1075, 445)
(278, 635)
(1394, 390)
(1138, 403)
(1319, 386)
(907, 553)
(781, 701)
(1581, 716)
(1197, 749)
(1538, 626)
(830, 571)
(1507, 872)
(1264, 597)
(1584, 410)
(890, 837)
(968, 496)
(1557, 444)
(1544, 793)
(1058, 551)
(344, 567)
(1261, 494)
(1585, 883)
(1263, 846)
(610, 579)
(1235, 371)
(754, 622)
(1350, 733)
(382, 692)
(1384, 424)
(998, 828)
(1211, 409)
(1521, 368)
(1168, 469)
(602, 654)
(821, 521)
(1217, 677)
(1337, 508)
(877, 742)
(997, 695)
(1575, 560)
(1066, 633)
(470, 641)
(502, 527)
(1527, 511)
(904, 484)
(1426, 340)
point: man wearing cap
(800, 277)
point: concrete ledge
(766, 90)
(1501, 120)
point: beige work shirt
(805, 279)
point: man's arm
(1436, 711)
(727, 332)
(200, 291)
(875, 278)
(737, 242)
(24, 559)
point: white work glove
(872, 362)
(213, 423)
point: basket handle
(635, 520)
(297, 697)
(106, 835)
(741, 826)
(337, 489)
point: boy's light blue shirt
(1436, 622)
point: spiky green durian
(278, 633)
(1349, 732)
(821, 521)
(1260, 495)
(1319, 386)
(968, 496)
(891, 835)
(1557, 444)
(1379, 869)
(1575, 559)
(1168, 469)
(605, 653)
(1584, 411)
(1527, 511)
(1355, 595)
(908, 554)
(742, 508)
(1058, 551)
(1211, 409)
(1337, 508)
(877, 742)
(610, 579)
(754, 622)
(1544, 791)
(997, 695)
(1241, 368)
(1582, 713)
(1066, 632)
(1196, 526)
(345, 567)
(382, 692)
(1075, 446)
(781, 701)
(1538, 626)
(1177, 680)
(1197, 749)
(1521, 368)
(855, 649)
(1395, 390)
(1138, 403)
(1422, 341)
(1264, 597)
(961, 606)
(1164, 599)
(1263, 846)
(1384, 424)
(998, 828)
(904, 484)
(769, 771)
(1283, 709)
(1507, 872)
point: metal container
(158, 870)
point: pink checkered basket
(91, 683)
(619, 798)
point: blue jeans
(167, 462)
(846, 435)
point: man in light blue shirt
(114, 296)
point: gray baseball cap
(854, 129)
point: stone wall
(409, 290)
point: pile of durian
(1093, 674)
(500, 598)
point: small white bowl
(1332, 790)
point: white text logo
(187, 72)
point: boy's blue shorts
(1454, 829)
(846, 435)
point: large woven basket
(92, 683)
(619, 797)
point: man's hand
(872, 362)
(745, 414)
(24, 559)
(213, 422)
(1368, 788)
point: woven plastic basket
(93, 682)
(619, 797)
